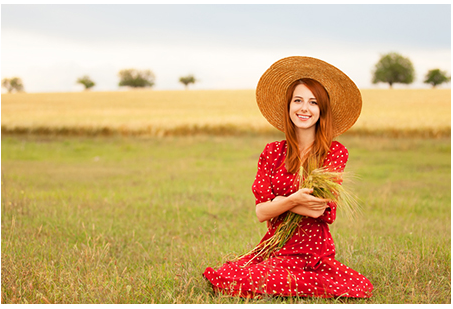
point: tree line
(392, 68)
(135, 79)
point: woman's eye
(313, 102)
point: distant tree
(393, 68)
(86, 81)
(136, 79)
(186, 80)
(436, 77)
(11, 84)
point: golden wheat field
(166, 112)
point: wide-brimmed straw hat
(345, 97)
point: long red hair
(323, 130)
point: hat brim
(345, 97)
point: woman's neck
(305, 140)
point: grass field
(91, 214)
(138, 219)
(390, 112)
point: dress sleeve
(262, 187)
(336, 160)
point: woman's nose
(304, 107)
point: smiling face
(304, 110)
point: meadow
(116, 216)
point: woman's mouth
(303, 117)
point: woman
(312, 102)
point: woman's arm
(300, 202)
(304, 211)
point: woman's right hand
(304, 198)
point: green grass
(137, 220)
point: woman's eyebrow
(298, 96)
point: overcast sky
(224, 46)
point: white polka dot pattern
(306, 265)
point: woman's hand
(303, 197)
(300, 202)
(307, 204)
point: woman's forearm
(271, 209)
(304, 211)
(300, 202)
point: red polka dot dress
(306, 265)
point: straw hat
(345, 98)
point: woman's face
(304, 109)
